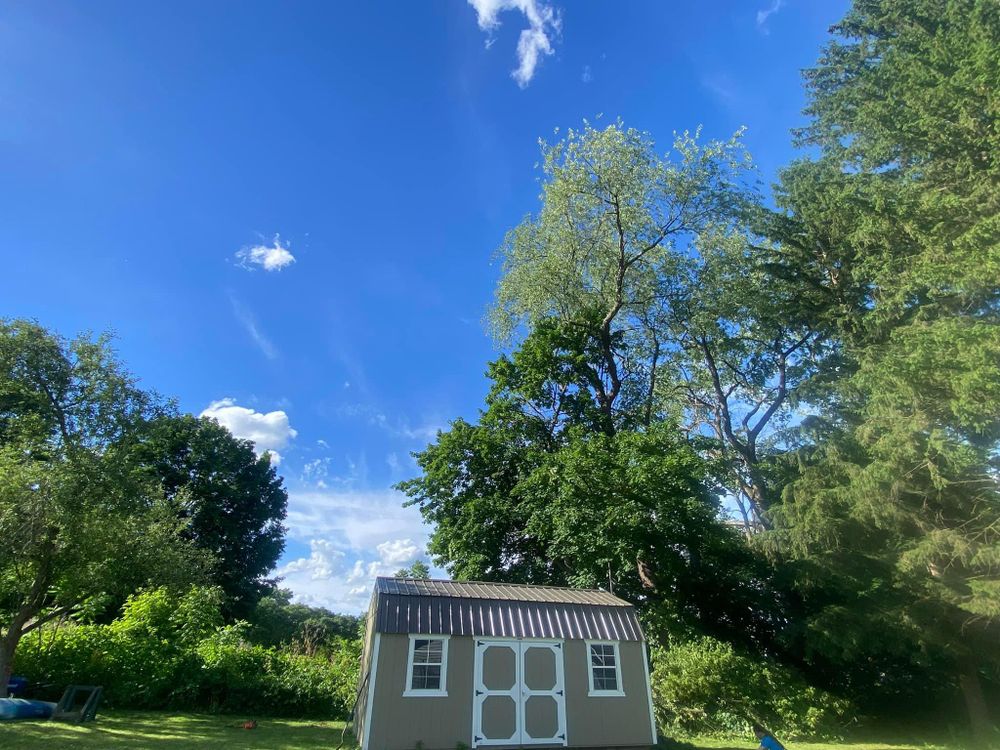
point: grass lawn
(165, 731)
(705, 744)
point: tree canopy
(78, 523)
(827, 363)
(231, 500)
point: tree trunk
(7, 646)
(975, 702)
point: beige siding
(607, 721)
(439, 723)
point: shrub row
(173, 652)
(706, 686)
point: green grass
(165, 731)
(705, 744)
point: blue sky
(287, 212)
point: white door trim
(519, 693)
(557, 693)
(480, 692)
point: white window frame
(591, 692)
(410, 692)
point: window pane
(602, 655)
(426, 677)
(596, 656)
(427, 651)
(605, 678)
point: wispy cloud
(721, 86)
(269, 257)
(765, 13)
(587, 76)
(544, 24)
(269, 432)
(398, 427)
(249, 323)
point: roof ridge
(494, 583)
(498, 590)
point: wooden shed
(453, 663)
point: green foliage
(653, 263)
(612, 211)
(893, 502)
(173, 651)
(232, 501)
(908, 88)
(419, 569)
(707, 687)
(832, 365)
(79, 525)
(277, 621)
(538, 492)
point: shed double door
(519, 696)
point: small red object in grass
(250, 724)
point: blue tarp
(19, 708)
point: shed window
(604, 668)
(427, 666)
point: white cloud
(587, 76)
(398, 552)
(269, 432)
(268, 257)
(323, 561)
(355, 519)
(763, 15)
(544, 24)
(353, 537)
(316, 471)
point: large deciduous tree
(232, 500)
(654, 260)
(540, 491)
(77, 522)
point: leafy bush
(705, 686)
(173, 651)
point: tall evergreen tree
(899, 480)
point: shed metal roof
(408, 605)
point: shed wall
(364, 675)
(440, 723)
(607, 721)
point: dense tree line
(106, 489)
(828, 365)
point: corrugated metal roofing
(517, 592)
(407, 605)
